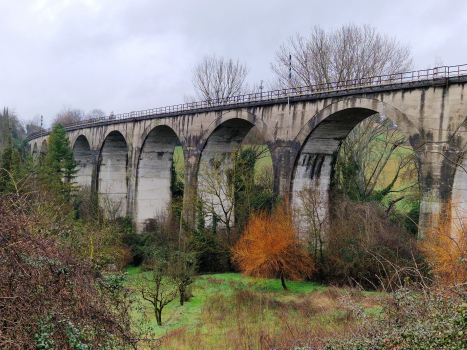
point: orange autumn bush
(446, 253)
(270, 248)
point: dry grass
(246, 313)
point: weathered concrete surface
(301, 134)
(153, 178)
(83, 156)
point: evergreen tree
(58, 167)
(6, 163)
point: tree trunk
(158, 316)
(283, 283)
(182, 297)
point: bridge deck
(407, 80)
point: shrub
(270, 248)
(49, 297)
(446, 252)
(414, 319)
(363, 246)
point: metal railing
(381, 80)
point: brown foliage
(270, 248)
(446, 253)
(48, 297)
(363, 246)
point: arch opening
(44, 149)
(160, 174)
(83, 157)
(35, 152)
(385, 162)
(235, 166)
(112, 183)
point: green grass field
(230, 311)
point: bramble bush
(50, 298)
(414, 319)
(363, 247)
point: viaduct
(129, 156)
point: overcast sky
(129, 55)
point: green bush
(414, 320)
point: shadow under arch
(112, 129)
(83, 157)
(112, 179)
(154, 172)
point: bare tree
(365, 153)
(157, 287)
(350, 52)
(227, 187)
(94, 114)
(347, 53)
(68, 116)
(218, 78)
(34, 125)
(311, 219)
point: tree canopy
(270, 248)
(59, 166)
(349, 52)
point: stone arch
(80, 133)
(315, 144)
(216, 145)
(44, 148)
(238, 115)
(362, 108)
(83, 157)
(112, 184)
(248, 120)
(111, 129)
(154, 124)
(154, 172)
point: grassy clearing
(230, 311)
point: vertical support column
(192, 156)
(95, 169)
(283, 163)
(437, 175)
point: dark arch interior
(154, 178)
(112, 180)
(83, 157)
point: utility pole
(290, 79)
(42, 120)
